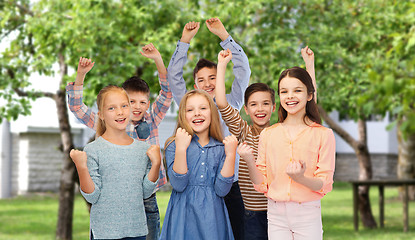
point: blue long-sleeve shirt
(241, 71)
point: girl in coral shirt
(295, 164)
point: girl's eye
(188, 110)
(124, 106)
(111, 108)
(283, 92)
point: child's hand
(153, 152)
(182, 139)
(189, 31)
(308, 55)
(224, 56)
(246, 152)
(231, 143)
(295, 170)
(216, 27)
(79, 158)
(85, 65)
(149, 51)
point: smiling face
(293, 96)
(259, 108)
(139, 104)
(115, 111)
(205, 79)
(198, 114)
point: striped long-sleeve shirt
(158, 111)
(253, 200)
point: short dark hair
(311, 110)
(259, 87)
(203, 63)
(136, 84)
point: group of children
(230, 180)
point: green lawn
(34, 217)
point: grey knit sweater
(119, 173)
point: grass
(34, 217)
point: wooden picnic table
(381, 184)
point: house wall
(347, 166)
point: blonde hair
(215, 129)
(100, 103)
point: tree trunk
(365, 167)
(406, 160)
(67, 181)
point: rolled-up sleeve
(222, 184)
(178, 181)
(93, 166)
(326, 161)
(261, 163)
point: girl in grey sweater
(116, 172)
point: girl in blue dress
(200, 167)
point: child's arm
(163, 101)
(231, 143)
(246, 152)
(229, 115)
(85, 180)
(176, 160)
(182, 140)
(224, 179)
(295, 170)
(149, 51)
(322, 179)
(75, 91)
(89, 177)
(179, 59)
(224, 57)
(308, 57)
(153, 153)
(241, 69)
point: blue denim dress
(196, 208)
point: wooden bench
(381, 184)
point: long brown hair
(311, 110)
(100, 103)
(215, 129)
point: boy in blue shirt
(204, 75)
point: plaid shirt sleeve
(163, 101)
(84, 114)
(157, 114)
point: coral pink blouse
(315, 145)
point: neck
(296, 119)
(203, 138)
(261, 127)
(117, 137)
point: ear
(246, 110)
(100, 116)
(148, 105)
(195, 86)
(310, 96)
(273, 107)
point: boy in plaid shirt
(143, 126)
